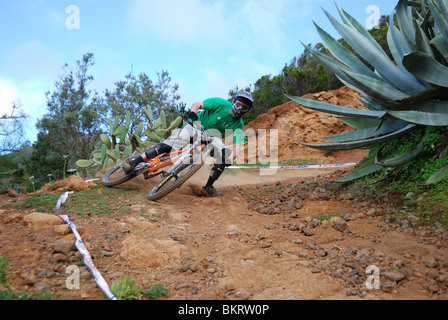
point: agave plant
(400, 95)
(122, 143)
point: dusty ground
(294, 235)
(236, 246)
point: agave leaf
(421, 42)
(426, 68)
(387, 127)
(360, 173)
(343, 54)
(337, 110)
(376, 89)
(439, 17)
(441, 43)
(360, 123)
(403, 158)
(360, 144)
(335, 66)
(349, 20)
(423, 118)
(404, 19)
(382, 64)
(438, 175)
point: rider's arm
(196, 106)
(235, 151)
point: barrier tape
(87, 259)
(315, 166)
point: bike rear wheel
(117, 175)
(175, 180)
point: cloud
(33, 59)
(8, 96)
(178, 21)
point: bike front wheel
(174, 180)
(116, 176)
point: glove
(193, 116)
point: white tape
(87, 259)
(315, 166)
(62, 199)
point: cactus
(401, 95)
(122, 143)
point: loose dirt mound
(295, 122)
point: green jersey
(216, 115)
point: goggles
(240, 106)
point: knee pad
(222, 157)
(157, 149)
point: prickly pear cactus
(121, 143)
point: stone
(42, 220)
(63, 246)
(393, 276)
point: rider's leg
(174, 142)
(223, 161)
(151, 153)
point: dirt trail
(294, 235)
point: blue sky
(207, 46)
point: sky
(208, 47)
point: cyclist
(218, 117)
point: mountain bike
(182, 165)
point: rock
(13, 218)
(393, 276)
(12, 193)
(63, 246)
(139, 251)
(41, 288)
(308, 232)
(42, 220)
(409, 196)
(340, 226)
(62, 230)
(431, 263)
(319, 194)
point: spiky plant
(122, 143)
(401, 95)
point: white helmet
(242, 103)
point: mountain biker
(217, 116)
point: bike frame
(167, 159)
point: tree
(75, 114)
(12, 129)
(138, 92)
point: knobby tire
(110, 182)
(165, 186)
